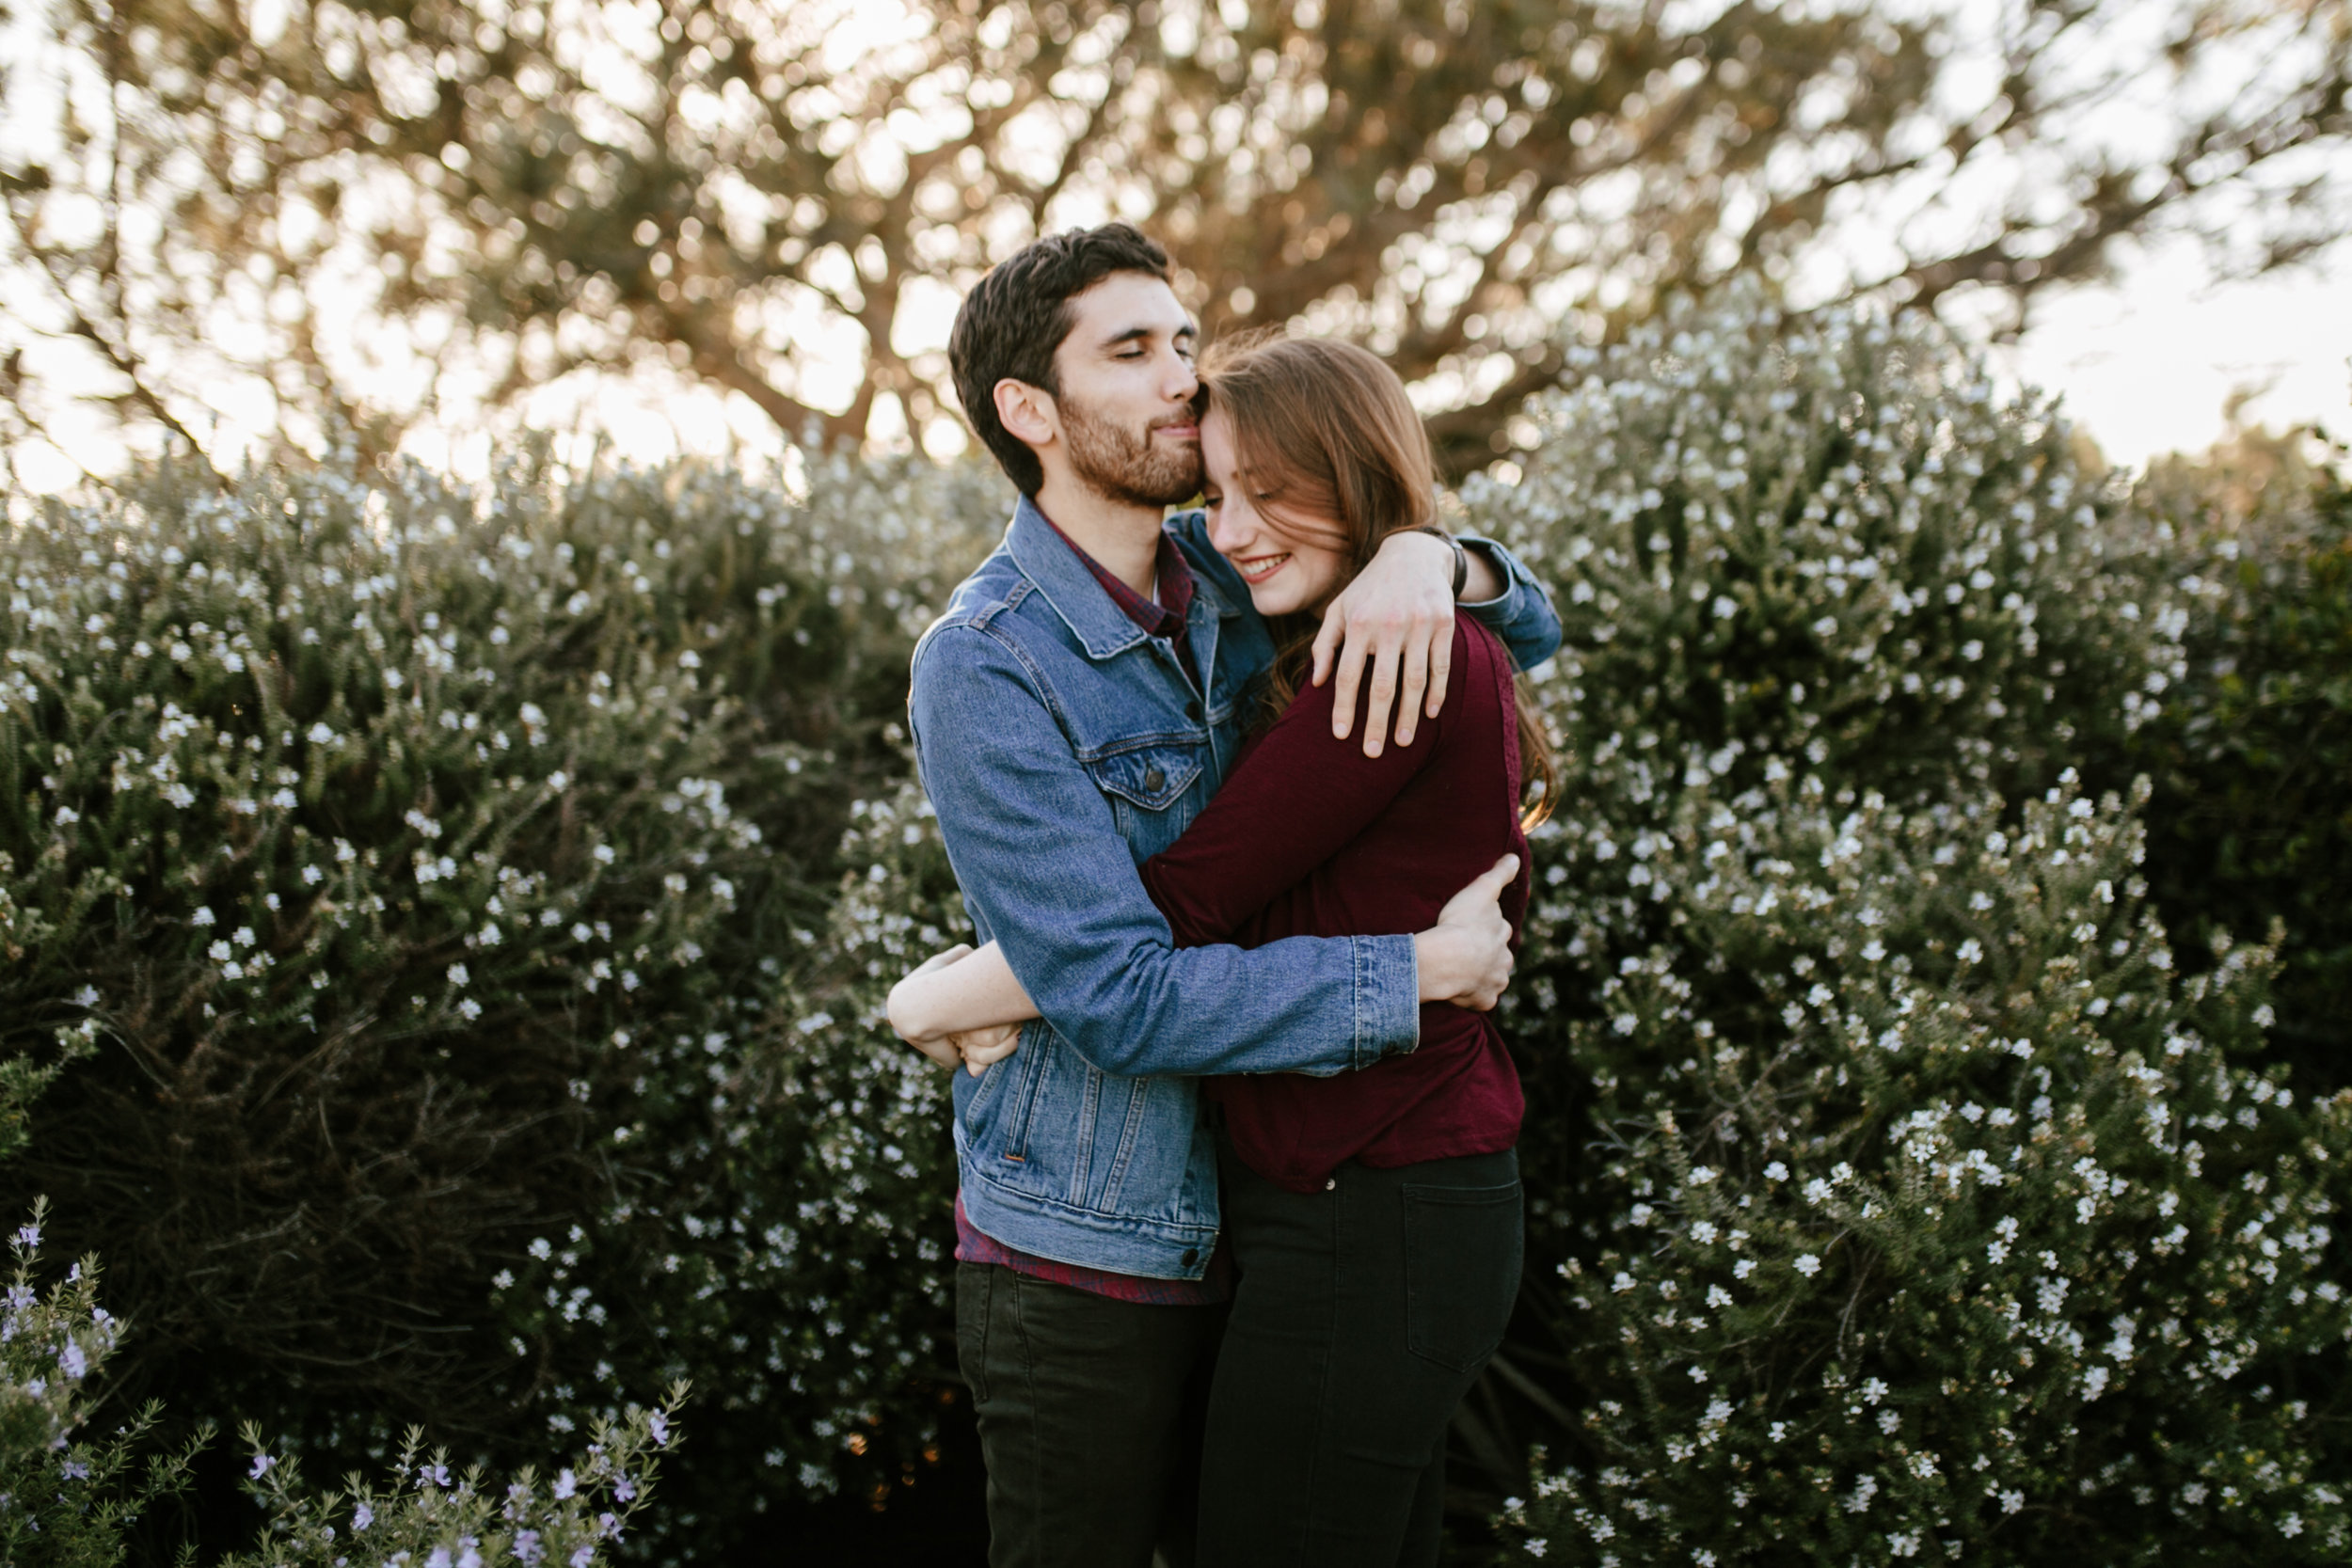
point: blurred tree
(784, 200)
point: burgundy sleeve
(1290, 805)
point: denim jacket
(1062, 746)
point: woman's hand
(941, 1046)
(982, 1047)
(961, 1007)
(1466, 958)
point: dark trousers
(1090, 1413)
(1363, 1314)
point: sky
(2145, 364)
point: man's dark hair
(1015, 318)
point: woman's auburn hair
(1335, 455)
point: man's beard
(1124, 465)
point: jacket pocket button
(1192, 1255)
(1153, 779)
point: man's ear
(1028, 412)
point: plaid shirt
(1163, 618)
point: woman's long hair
(1335, 455)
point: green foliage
(424, 1516)
(1874, 1059)
(64, 1499)
(1972, 1230)
(430, 872)
(2251, 822)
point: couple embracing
(1239, 1217)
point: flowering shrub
(1972, 1229)
(423, 1517)
(1882, 1248)
(2250, 752)
(430, 873)
(63, 1498)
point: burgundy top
(1311, 837)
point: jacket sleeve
(1524, 618)
(1047, 875)
(1253, 842)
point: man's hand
(1466, 958)
(1398, 616)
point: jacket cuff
(1388, 998)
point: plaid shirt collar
(1163, 618)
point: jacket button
(1329, 1182)
(1154, 778)
(1192, 711)
(1192, 1255)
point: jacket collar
(1101, 627)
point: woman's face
(1284, 572)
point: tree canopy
(299, 211)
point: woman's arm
(956, 993)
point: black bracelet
(1461, 556)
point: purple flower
(432, 1475)
(28, 1236)
(659, 1427)
(361, 1517)
(262, 1463)
(527, 1548)
(566, 1485)
(71, 1360)
(583, 1558)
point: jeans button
(1154, 778)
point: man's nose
(1183, 383)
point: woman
(1373, 1217)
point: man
(1073, 710)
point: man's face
(1127, 393)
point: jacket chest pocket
(1143, 785)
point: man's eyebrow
(1145, 334)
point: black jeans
(1089, 1412)
(1364, 1313)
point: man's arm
(1047, 876)
(1397, 619)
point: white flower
(1744, 1268)
(66, 816)
(1808, 1265)
(457, 974)
(321, 734)
(1775, 1172)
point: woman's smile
(1256, 570)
